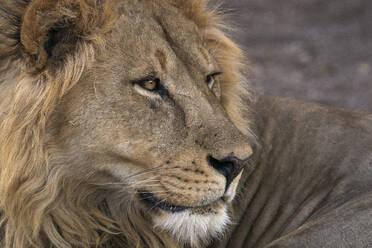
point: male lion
(122, 125)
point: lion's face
(118, 116)
(148, 113)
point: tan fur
(43, 202)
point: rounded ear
(41, 23)
(50, 29)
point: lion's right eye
(150, 84)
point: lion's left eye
(211, 78)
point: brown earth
(314, 50)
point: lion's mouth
(149, 199)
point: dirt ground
(314, 50)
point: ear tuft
(40, 26)
(51, 28)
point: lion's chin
(194, 226)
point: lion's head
(120, 123)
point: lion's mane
(42, 205)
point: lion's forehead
(144, 32)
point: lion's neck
(285, 181)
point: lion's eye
(150, 84)
(210, 80)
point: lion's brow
(162, 59)
(205, 54)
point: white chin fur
(191, 228)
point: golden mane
(34, 210)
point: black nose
(230, 167)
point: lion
(130, 124)
(118, 123)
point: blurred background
(313, 50)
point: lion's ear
(42, 27)
(50, 29)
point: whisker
(145, 172)
(129, 184)
(148, 185)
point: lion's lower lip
(149, 198)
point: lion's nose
(230, 167)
